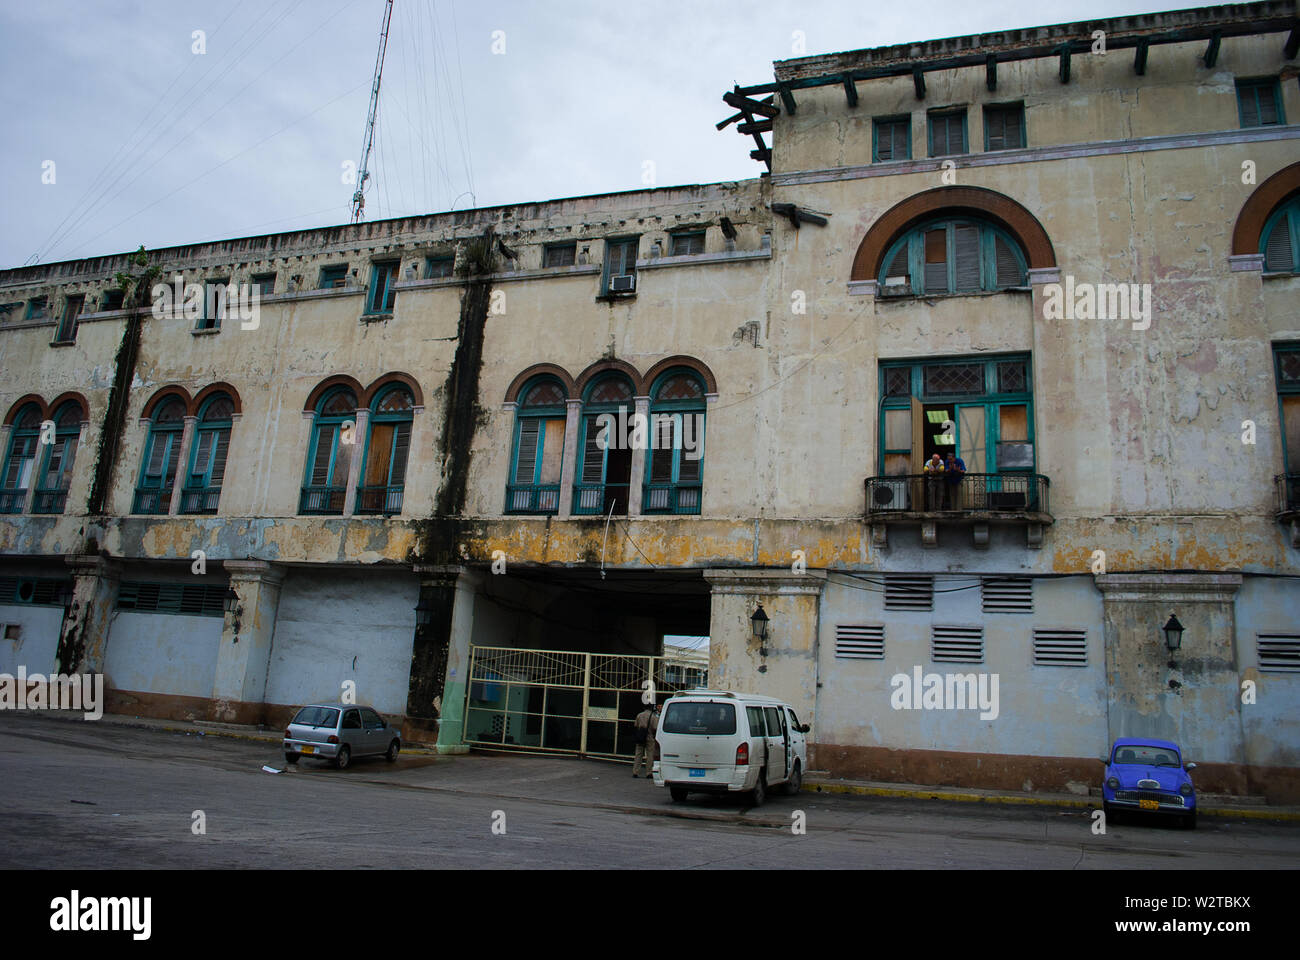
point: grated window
(1007, 594)
(860, 642)
(1279, 652)
(1060, 648)
(957, 644)
(909, 593)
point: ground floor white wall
(37, 640)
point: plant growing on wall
(140, 282)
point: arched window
(387, 450)
(56, 474)
(208, 456)
(162, 452)
(1280, 240)
(20, 459)
(955, 255)
(605, 467)
(538, 450)
(675, 465)
(329, 457)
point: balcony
(201, 500)
(380, 499)
(49, 501)
(1288, 503)
(12, 501)
(977, 499)
(533, 498)
(600, 498)
(152, 500)
(675, 498)
(322, 500)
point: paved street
(102, 796)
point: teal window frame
(202, 480)
(1285, 389)
(914, 238)
(210, 318)
(1290, 212)
(688, 238)
(319, 423)
(11, 474)
(906, 120)
(112, 300)
(331, 273)
(264, 284)
(670, 407)
(541, 413)
(73, 306)
(67, 430)
(392, 477)
(991, 399)
(624, 244)
(1248, 92)
(591, 412)
(947, 114)
(383, 294)
(37, 308)
(439, 268)
(171, 433)
(994, 109)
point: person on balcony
(953, 470)
(933, 470)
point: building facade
(473, 467)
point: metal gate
(562, 701)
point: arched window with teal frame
(56, 470)
(604, 470)
(537, 453)
(329, 455)
(388, 447)
(952, 255)
(20, 459)
(162, 454)
(1280, 240)
(675, 461)
(207, 465)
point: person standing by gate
(647, 724)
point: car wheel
(291, 758)
(393, 747)
(759, 793)
(678, 793)
(344, 757)
(795, 783)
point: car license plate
(697, 771)
(1148, 805)
(307, 749)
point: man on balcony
(953, 470)
(933, 470)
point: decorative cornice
(1169, 587)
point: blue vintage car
(1148, 776)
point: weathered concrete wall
(339, 626)
(38, 637)
(162, 653)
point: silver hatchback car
(339, 732)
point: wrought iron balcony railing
(991, 495)
(593, 498)
(677, 498)
(322, 500)
(152, 500)
(49, 501)
(382, 499)
(200, 499)
(11, 501)
(533, 498)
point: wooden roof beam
(991, 71)
(850, 90)
(1065, 63)
(734, 119)
(745, 104)
(1292, 43)
(1212, 51)
(754, 126)
(918, 81)
(1140, 58)
(787, 98)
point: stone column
(182, 465)
(637, 478)
(244, 657)
(440, 657)
(358, 453)
(785, 664)
(572, 423)
(83, 641)
(1190, 696)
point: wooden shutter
(66, 461)
(173, 458)
(1267, 104)
(1007, 264)
(552, 450)
(1278, 255)
(918, 435)
(936, 261)
(996, 138)
(380, 456)
(202, 456)
(939, 136)
(1014, 129)
(966, 253)
(689, 470)
(526, 461)
(401, 453)
(320, 468)
(661, 457)
(1291, 430)
(1249, 107)
(219, 458)
(157, 453)
(899, 266)
(593, 457)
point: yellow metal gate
(561, 701)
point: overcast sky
(148, 142)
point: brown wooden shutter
(1008, 267)
(936, 261)
(324, 445)
(526, 463)
(219, 458)
(1278, 255)
(593, 457)
(966, 253)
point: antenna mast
(358, 198)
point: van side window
(794, 720)
(756, 727)
(774, 724)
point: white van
(719, 741)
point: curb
(958, 796)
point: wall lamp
(1173, 634)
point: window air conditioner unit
(624, 284)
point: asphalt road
(98, 796)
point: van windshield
(706, 719)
